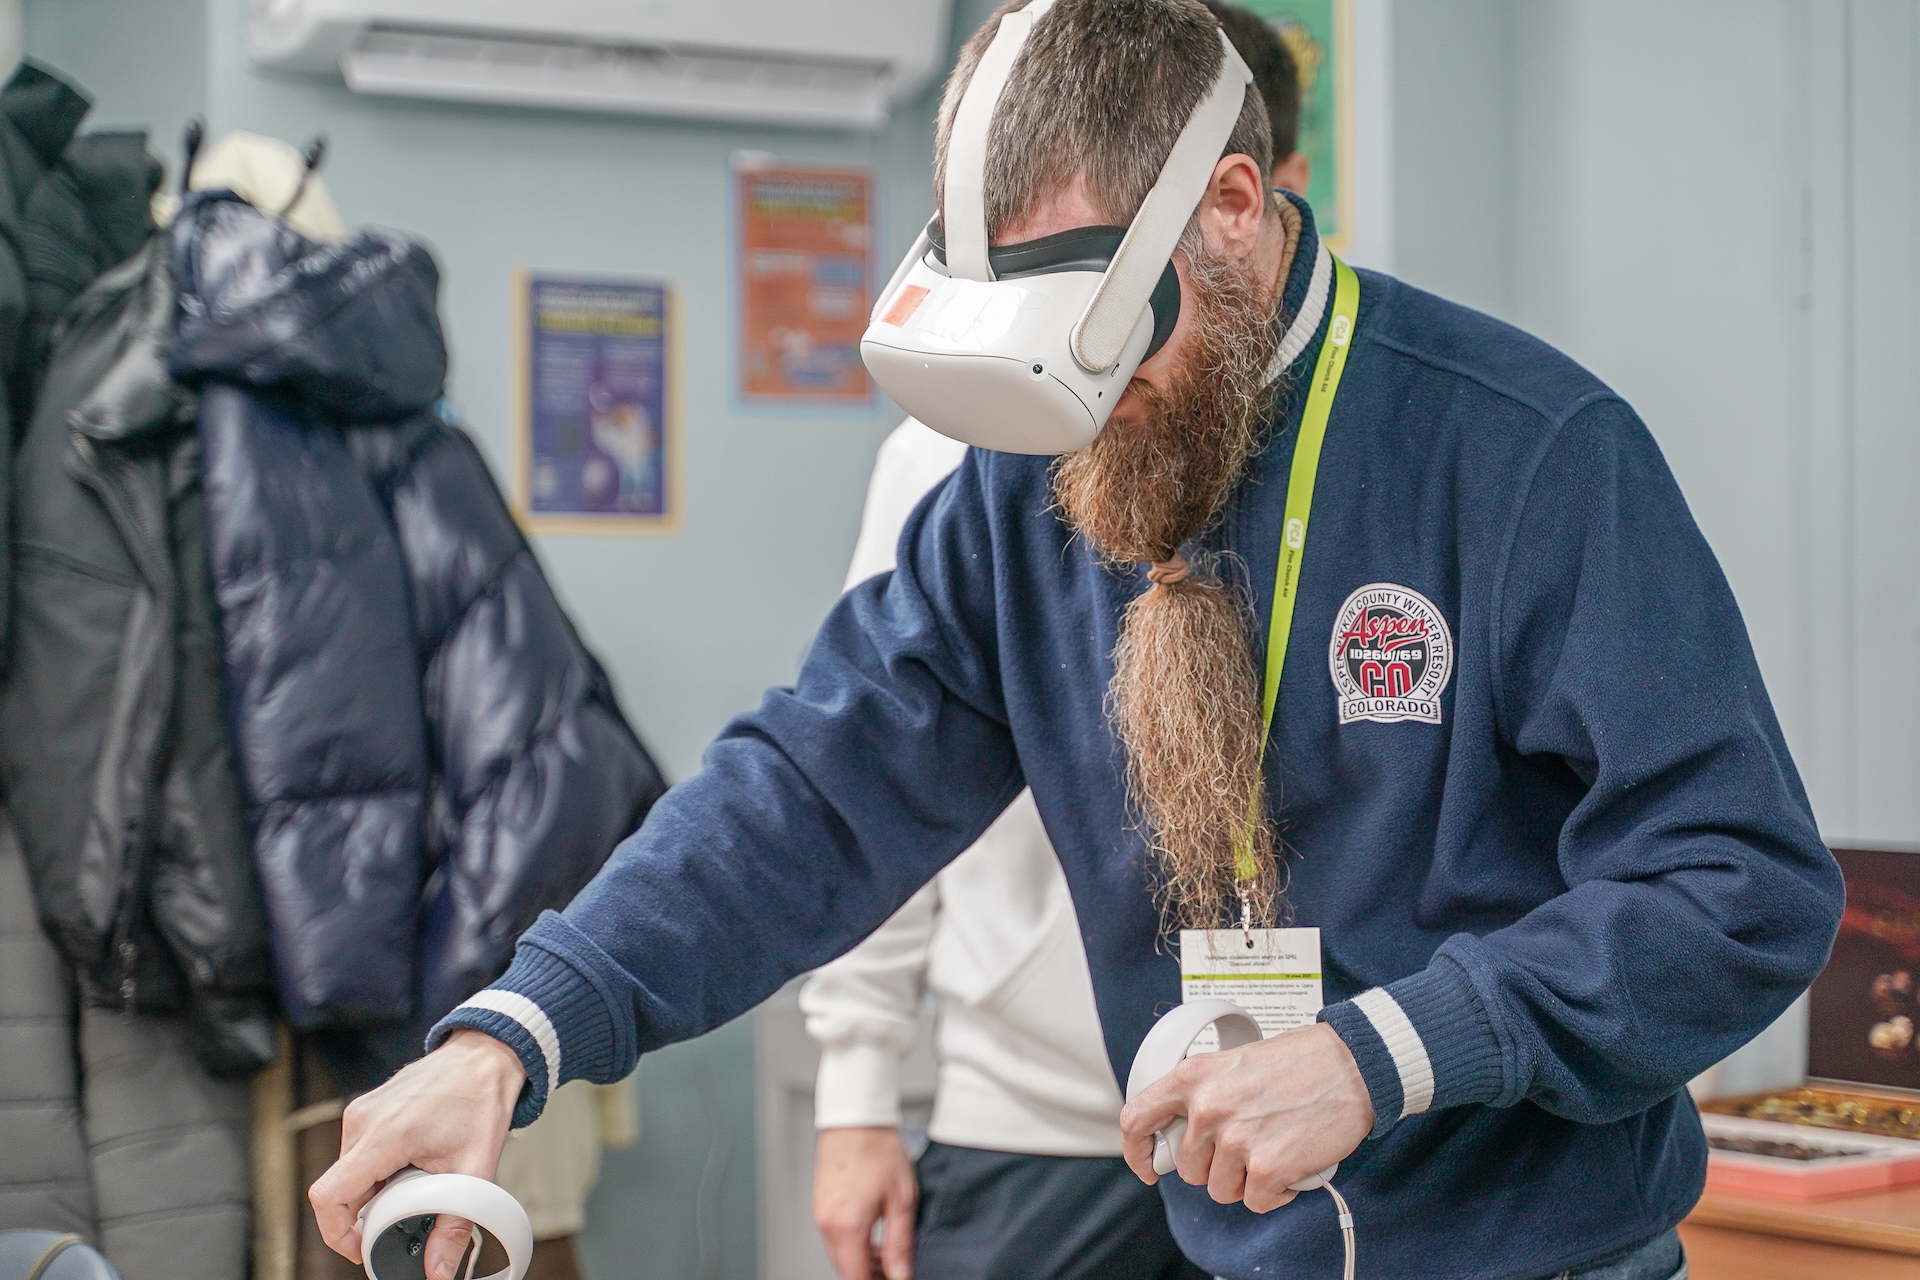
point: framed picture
(1319, 35)
(597, 439)
(1866, 1002)
(804, 272)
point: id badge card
(1274, 974)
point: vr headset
(1026, 348)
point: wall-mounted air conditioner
(837, 63)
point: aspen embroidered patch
(1391, 657)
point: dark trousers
(996, 1215)
(1660, 1258)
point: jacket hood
(269, 174)
(350, 327)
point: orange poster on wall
(805, 258)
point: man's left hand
(1258, 1118)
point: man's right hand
(860, 1177)
(446, 1113)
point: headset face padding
(1081, 249)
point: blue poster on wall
(597, 450)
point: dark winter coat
(430, 754)
(116, 757)
(113, 1129)
(79, 207)
(70, 208)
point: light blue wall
(692, 627)
(144, 62)
(1452, 150)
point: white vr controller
(1168, 1044)
(393, 1232)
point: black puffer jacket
(116, 759)
(431, 756)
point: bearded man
(1522, 775)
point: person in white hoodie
(1023, 1176)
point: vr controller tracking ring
(413, 1194)
(1168, 1043)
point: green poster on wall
(1316, 33)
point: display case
(1824, 1179)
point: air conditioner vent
(704, 84)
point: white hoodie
(994, 938)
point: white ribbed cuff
(858, 1086)
(1397, 1031)
(532, 1018)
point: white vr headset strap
(1102, 333)
(965, 214)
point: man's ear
(1234, 205)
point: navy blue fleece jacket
(1534, 797)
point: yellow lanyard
(1293, 535)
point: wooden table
(1743, 1237)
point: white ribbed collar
(1313, 308)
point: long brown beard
(1185, 700)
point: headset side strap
(965, 214)
(1115, 307)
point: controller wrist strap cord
(1346, 1227)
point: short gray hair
(1102, 89)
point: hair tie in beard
(1167, 572)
